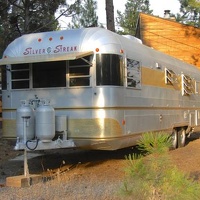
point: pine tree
(110, 15)
(20, 17)
(86, 15)
(128, 20)
(190, 12)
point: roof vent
(167, 14)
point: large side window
(133, 74)
(52, 74)
(20, 76)
(109, 69)
(79, 71)
(49, 74)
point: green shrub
(154, 176)
(152, 143)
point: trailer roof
(60, 45)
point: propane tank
(25, 110)
(45, 121)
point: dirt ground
(82, 174)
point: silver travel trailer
(92, 88)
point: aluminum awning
(43, 58)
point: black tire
(174, 139)
(181, 137)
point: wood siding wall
(178, 40)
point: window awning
(43, 58)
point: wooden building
(173, 38)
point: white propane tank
(25, 110)
(45, 121)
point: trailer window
(4, 78)
(133, 74)
(109, 69)
(49, 74)
(79, 71)
(20, 76)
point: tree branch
(14, 4)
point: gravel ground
(85, 174)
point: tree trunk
(110, 15)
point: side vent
(170, 77)
(187, 85)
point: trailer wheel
(181, 137)
(174, 138)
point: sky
(158, 7)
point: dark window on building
(20, 76)
(79, 71)
(49, 74)
(109, 69)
